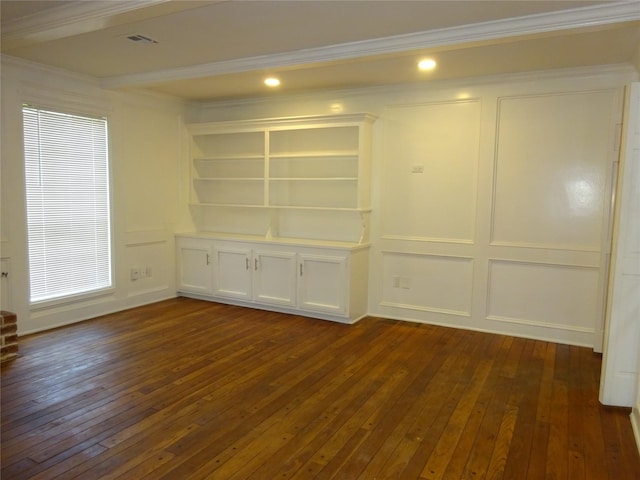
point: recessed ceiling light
(427, 64)
(271, 82)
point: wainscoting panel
(428, 283)
(553, 296)
(494, 212)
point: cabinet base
(275, 308)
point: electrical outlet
(135, 273)
(395, 281)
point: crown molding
(36, 68)
(587, 17)
(624, 72)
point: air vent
(137, 38)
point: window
(67, 195)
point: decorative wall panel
(552, 170)
(427, 282)
(555, 296)
(430, 170)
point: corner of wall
(635, 424)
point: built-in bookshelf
(300, 177)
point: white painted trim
(409, 238)
(147, 237)
(542, 246)
(635, 425)
(421, 308)
(485, 329)
(87, 313)
(537, 263)
(582, 73)
(597, 15)
(40, 68)
(352, 119)
(536, 323)
(466, 258)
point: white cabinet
(259, 275)
(322, 279)
(194, 265)
(323, 283)
(274, 277)
(232, 271)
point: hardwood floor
(185, 389)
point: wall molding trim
(407, 238)
(534, 323)
(579, 73)
(448, 256)
(42, 69)
(420, 308)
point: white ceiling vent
(142, 39)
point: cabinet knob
(301, 269)
(208, 259)
(255, 264)
(246, 262)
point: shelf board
(281, 207)
(278, 179)
(229, 158)
(313, 179)
(324, 209)
(233, 179)
(314, 154)
(227, 205)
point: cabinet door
(194, 265)
(274, 277)
(322, 283)
(232, 267)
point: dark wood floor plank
(316, 371)
(426, 408)
(199, 390)
(557, 466)
(476, 443)
(335, 423)
(411, 462)
(546, 353)
(382, 425)
(524, 396)
(342, 445)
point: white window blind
(67, 189)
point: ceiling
(213, 50)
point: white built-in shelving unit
(306, 177)
(282, 210)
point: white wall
(146, 142)
(473, 258)
(620, 369)
(151, 185)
